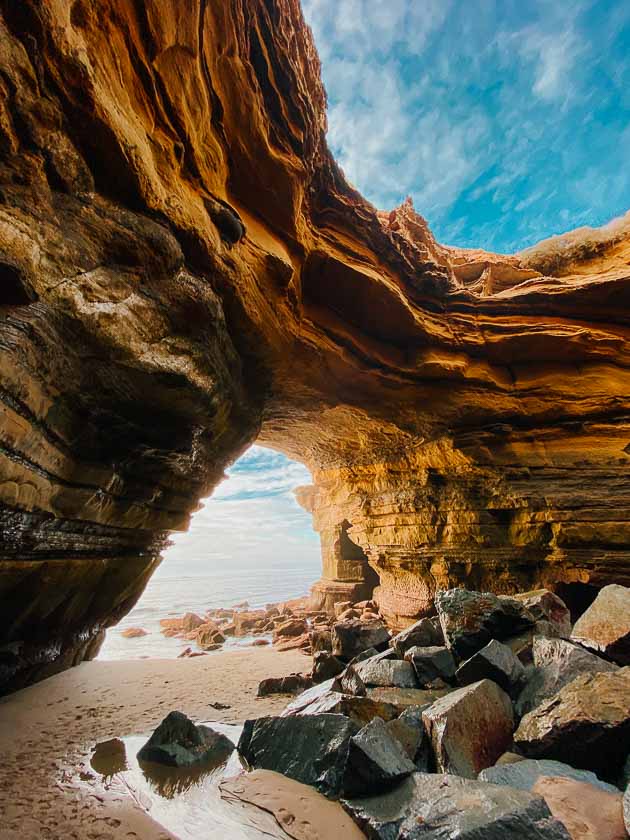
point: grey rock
(494, 662)
(470, 728)
(326, 666)
(376, 761)
(351, 683)
(556, 663)
(605, 626)
(396, 673)
(432, 664)
(310, 695)
(524, 774)
(178, 742)
(408, 729)
(424, 633)
(349, 638)
(311, 749)
(626, 808)
(470, 620)
(441, 807)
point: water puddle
(186, 802)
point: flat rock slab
(360, 709)
(470, 728)
(605, 626)
(178, 742)
(586, 724)
(442, 807)
(312, 749)
(557, 662)
(301, 812)
(494, 662)
(524, 774)
(470, 620)
(387, 672)
(587, 812)
(402, 698)
(376, 761)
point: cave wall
(184, 269)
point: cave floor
(47, 730)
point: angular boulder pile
(490, 720)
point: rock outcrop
(184, 270)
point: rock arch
(187, 270)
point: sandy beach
(47, 730)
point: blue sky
(506, 120)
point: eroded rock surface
(184, 270)
(586, 724)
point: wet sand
(47, 729)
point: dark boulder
(291, 684)
(312, 749)
(350, 638)
(586, 724)
(556, 663)
(321, 640)
(470, 620)
(605, 626)
(524, 774)
(470, 728)
(177, 742)
(441, 807)
(326, 666)
(494, 662)
(350, 682)
(434, 666)
(376, 761)
(424, 633)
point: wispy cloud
(252, 517)
(490, 115)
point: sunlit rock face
(184, 269)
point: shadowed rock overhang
(184, 270)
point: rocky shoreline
(497, 717)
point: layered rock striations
(184, 269)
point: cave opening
(250, 541)
(351, 552)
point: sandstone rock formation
(184, 270)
